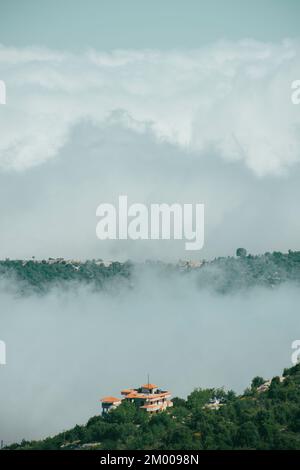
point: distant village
(76, 263)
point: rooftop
(110, 400)
(149, 386)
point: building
(110, 403)
(266, 385)
(189, 264)
(214, 404)
(148, 397)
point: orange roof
(133, 395)
(110, 400)
(126, 391)
(149, 386)
(148, 396)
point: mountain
(223, 274)
(265, 416)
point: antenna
(148, 380)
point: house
(148, 397)
(110, 403)
(214, 404)
(266, 385)
(189, 264)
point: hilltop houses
(266, 385)
(110, 403)
(148, 397)
(214, 404)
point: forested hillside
(260, 418)
(224, 274)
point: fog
(70, 347)
(193, 126)
(50, 210)
(213, 126)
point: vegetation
(224, 274)
(39, 276)
(253, 420)
(256, 419)
(246, 271)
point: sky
(140, 24)
(165, 102)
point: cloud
(232, 97)
(50, 209)
(70, 347)
(213, 126)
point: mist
(68, 348)
(50, 210)
(193, 126)
(213, 126)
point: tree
(248, 435)
(256, 382)
(241, 252)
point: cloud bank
(213, 126)
(67, 349)
(50, 209)
(232, 97)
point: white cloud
(232, 97)
(50, 210)
(57, 354)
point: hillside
(223, 274)
(265, 417)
